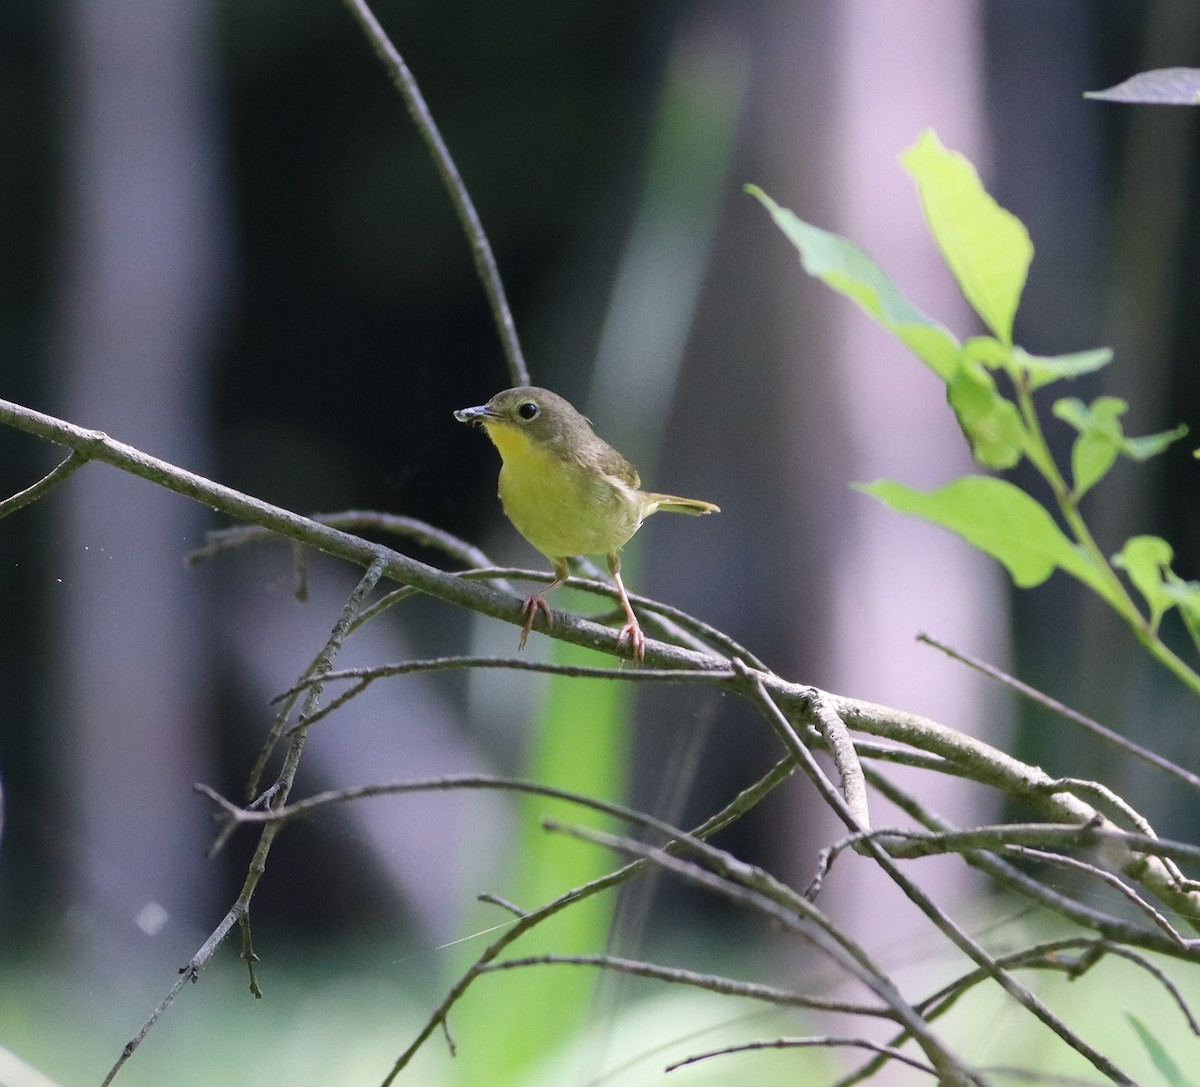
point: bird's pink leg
(637, 640)
(536, 602)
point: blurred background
(222, 241)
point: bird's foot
(637, 640)
(533, 604)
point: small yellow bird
(567, 491)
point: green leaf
(1102, 438)
(989, 351)
(1150, 445)
(992, 424)
(1042, 370)
(1102, 415)
(846, 268)
(1162, 1060)
(1000, 520)
(987, 248)
(1185, 595)
(1147, 561)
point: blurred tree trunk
(140, 295)
(905, 68)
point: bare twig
(495, 900)
(1074, 716)
(481, 251)
(845, 758)
(364, 677)
(188, 973)
(1048, 955)
(1019, 781)
(714, 983)
(226, 539)
(67, 468)
(1045, 856)
(1096, 834)
(823, 1041)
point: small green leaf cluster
(990, 385)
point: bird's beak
(472, 415)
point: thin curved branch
(58, 475)
(714, 983)
(222, 540)
(1048, 955)
(845, 758)
(364, 677)
(481, 250)
(823, 1041)
(1123, 743)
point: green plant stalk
(581, 745)
(1117, 595)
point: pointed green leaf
(1150, 445)
(992, 424)
(1162, 1060)
(1185, 595)
(987, 248)
(1041, 370)
(1072, 410)
(848, 269)
(999, 519)
(1147, 561)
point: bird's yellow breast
(559, 505)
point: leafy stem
(988, 251)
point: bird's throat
(514, 445)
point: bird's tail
(674, 504)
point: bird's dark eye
(528, 410)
